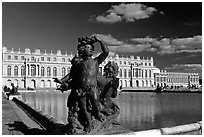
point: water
(139, 111)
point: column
(12, 70)
(28, 70)
(36, 70)
(19, 71)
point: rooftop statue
(89, 103)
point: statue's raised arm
(105, 51)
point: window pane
(9, 57)
(15, 71)
(22, 58)
(15, 57)
(9, 70)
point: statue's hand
(64, 87)
(56, 80)
(97, 39)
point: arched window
(48, 71)
(150, 75)
(125, 73)
(129, 73)
(137, 83)
(33, 70)
(121, 73)
(68, 70)
(147, 84)
(9, 70)
(150, 83)
(145, 73)
(22, 71)
(49, 83)
(136, 72)
(54, 71)
(142, 73)
(42, 71)
(16, 71)
(63, 71)
(126, 83)
(143, 83)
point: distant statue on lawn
(89, 102)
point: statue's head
(111, 69)
(85, 46)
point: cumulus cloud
(127, 12)
(109, 39)
(173, 46)
(161, 46)
(111, 18)
(191, 68)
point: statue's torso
(86, 72)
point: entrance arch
(48, 83)
(42, 84)
(33, 84)
(137, 83)
(15, 82)
(22, 84)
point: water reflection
(139, 111)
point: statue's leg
(82, 106)
(94, 98)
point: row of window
(33, 71)
(135, 73)
(143, 83)
(36, 59)
(64, 59)
(177, 80)
(135, 63)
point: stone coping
(172, 130)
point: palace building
(176, 79)
(36, 69)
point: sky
(170, 32)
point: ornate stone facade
(176, 79)
(41, 67)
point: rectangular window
(48, 58)
(9, 57)
(22, 58)
(32, 58)
(15, 57)
(63, 59)
(54, 59)
(42, 58)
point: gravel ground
(16, 122)
(9, 117)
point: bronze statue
(90, 95)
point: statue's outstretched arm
(104, 53)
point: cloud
(193, 55)
(111, 18)
(109, 39)
(191, 68)
(173, 46)
(127, 12)
(160, 46)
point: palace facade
(176, 79)
(36, 69)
